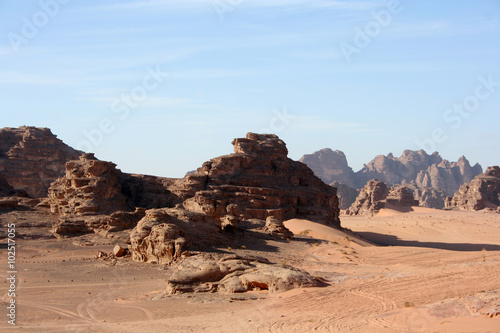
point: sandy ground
(422, 270)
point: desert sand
(418, 270)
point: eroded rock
(482, 192)
(32, 158)
(234, 274)
(258, 181)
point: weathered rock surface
(401, 196)
(32, 158)
(89, 187)
(427, 196)
(482, 192)
(163, 234)
(275, 227)
(376, 195)
(234, 274)
(370, 198)
(330, 166)
(346, 194)
(258, 181)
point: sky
(159, 87)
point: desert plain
(410, 269)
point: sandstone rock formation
(161, 236)
(330, 166)
(346, 194)
(94, 195)
(430, 177)
(425, 171)
(370, 198)
(376, 195)
(89, 187)
(482, 192)
(32, 158)
(258, 181)
(275, 227)
(233, 274)
(427, 196)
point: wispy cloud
(172, 4)
(316, 123)
(215, 73)
(12, 77)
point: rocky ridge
(32, 158)
(429, 177)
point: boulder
(234, 274)
(275, 227)
(119, 251)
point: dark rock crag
(31, 159)
(483, 192)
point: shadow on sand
(386, 240)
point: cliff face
(258, 181)
(482, 192)
(420, 169)
(429, 177)
(330, 166)
(32, 158)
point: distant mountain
(430, 177)
(330, 166)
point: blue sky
(159, 87)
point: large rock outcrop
(330, 166)
(258, 181)
(162, 234)
(482, 192)
(32, 158)
(89, 187)
(235, 274)
(375, 195)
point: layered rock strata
(32, 158)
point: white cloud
(316, 123)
